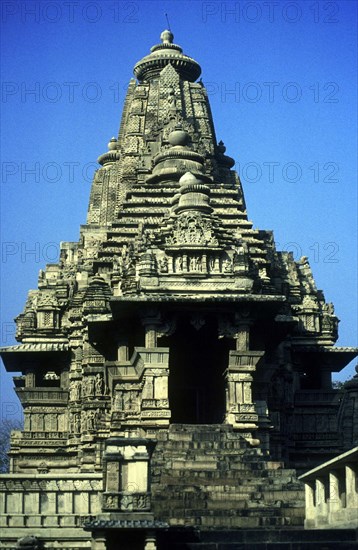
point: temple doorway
(197, 361)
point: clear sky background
(282, 80)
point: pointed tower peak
(164, 54)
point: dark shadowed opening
(197, 360)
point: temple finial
(167, 37)
(167, 18)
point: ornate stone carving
(75, 390)
(168, 246)
(192, 229)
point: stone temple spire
(164, 101)
(171, 310)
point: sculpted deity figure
(75, 390)
(90, 420)
(90, 386)
(72, 390)
(163, 264)
(227, 266)
(118, 401)
(84, 387)
(99, 384)
(71, 423)
(77, 423)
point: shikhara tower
(173, 360)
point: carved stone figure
(90, 386)
(227, 266)
(77, 423)
(180, 263)
(99, 384)
(118, 404)
(163, 264)
(75, 390)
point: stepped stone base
(208, 476)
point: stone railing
(48, 499)
(332, 493)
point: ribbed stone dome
(164, 54)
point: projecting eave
(128, 524)
(14, 356)
(129, 305)
(272, 298)
(334, 359)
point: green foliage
(6, 426)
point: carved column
(126, 476)
(351, 473)
(30, 379)
(335, 501)
(321, 496)
(240, 408)
(242, 336)
(98, 541)
(150, 541)
(122, 343)
(151, 320)
(310, 504)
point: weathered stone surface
(170, 322)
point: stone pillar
(98, 541)
(151, 320)
(321, 497)
(185, 263)
(204, 263)
(150, 336)
(240, 409)
(126, 480)
(150, 541)
(243, 337)
(310, 501)
(122, 348)
(351, 486)
(334, 496)
(30, 379)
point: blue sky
(282, 81)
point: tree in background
(6, 426)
